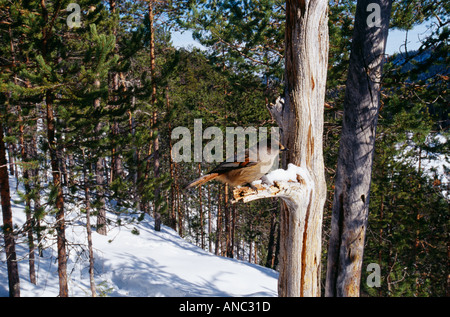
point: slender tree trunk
(10, 245)
(179, 211)
(156, 170)
(101, 214)
(116, 161)
(227, 213)
(156, 167)
(26, 176)
(209, 219)
(353, 177)
(88, 229)
(202, 233)
(172, 215)
(172, 166)
(272, 236)
(233, 228)
(37, 195)
(99, 174)
(60, 221)
(11, 151)
(53, 147)
(219, 223)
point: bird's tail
(201, 180)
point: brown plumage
(241, 173)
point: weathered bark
(300, 118)
(301, 123)
(8, 235)
(353, 177)
(304, 242)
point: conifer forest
(91, 92)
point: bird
(240, 173)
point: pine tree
(10, 249)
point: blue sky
(396, 39)
(395, 42)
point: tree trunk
(100, 177)
(88, 228)
(300, 118)
(227, 214)
(37, 195)
(272, 236)
(219, 223)
(209, 219)
(26, 176)
(172, 166)
(179, 211)
(156, 167)
(10, 245)
(156, 170)
(352, 185)
(53, 148)
(26, 180)
(202, 232)
(302, 129)
(60, 221)
(116, 160)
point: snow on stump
(293, 185)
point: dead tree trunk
(302, 128)
(300, 118)
(352, 185)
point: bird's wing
(228, 166)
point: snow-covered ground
(135, 260)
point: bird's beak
(283, 148)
